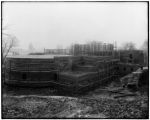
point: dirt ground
(49, 103)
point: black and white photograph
(75, 59)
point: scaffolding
(71, 73)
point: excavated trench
(99, 103)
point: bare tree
(31, 48)
(8, 42)
(129, 46)
(144, 47)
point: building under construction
(74, 73)
(70, 72)
(93, 48)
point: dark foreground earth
(47, 103)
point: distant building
(93, 48)
(132, 56)
(17, 51)
(56, 51)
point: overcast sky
(53, 24)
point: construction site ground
(109, 101)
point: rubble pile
(67, 107)
(116, 108)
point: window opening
(131, 69)
(130, 55)
(24, 76)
